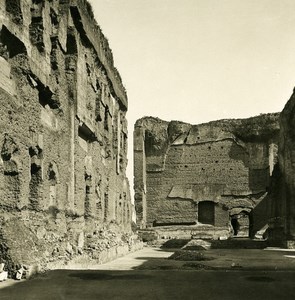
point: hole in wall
(85, 133)
(53, 17)
(13, 45)
(45, 97)
(14, 8)
(71, 44)
(106, 118)
(36, 29)
(35, 169)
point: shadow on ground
(232, 243)
(148, 284)
(231, 274)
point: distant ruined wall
(63, 137)
(282, 223)
(207, 173)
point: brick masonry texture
(63, 138)
(202, 174)
(282, 222)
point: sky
(201, 60)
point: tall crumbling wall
(282, 223)
(204, 174)
(63, 136)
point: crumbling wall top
(83, 11)
(259, 128)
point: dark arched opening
(240, 223)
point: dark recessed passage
(206, 211)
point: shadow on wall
(259, 179)
(260, 215)
(263, 211)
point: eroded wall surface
(205, 174)
(63, 136)
(282, 223)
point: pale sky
(201, 60)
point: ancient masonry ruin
(214, 177)
(282, 221)
(63, 137)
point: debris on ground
(3, 274)
(236, 266)
(197, 245)
(188, 255)
(19, 273)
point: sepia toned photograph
(147, 149)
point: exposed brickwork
(63, 136)
(185, 173)
(282, 223)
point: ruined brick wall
(185, 173)
(282, 223)
(63, 135)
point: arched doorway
(240, 223)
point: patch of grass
(196, 266)
(195, 247)
(188, 255)
(175, 243)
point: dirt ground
(148, 273)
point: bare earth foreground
(148, 274)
